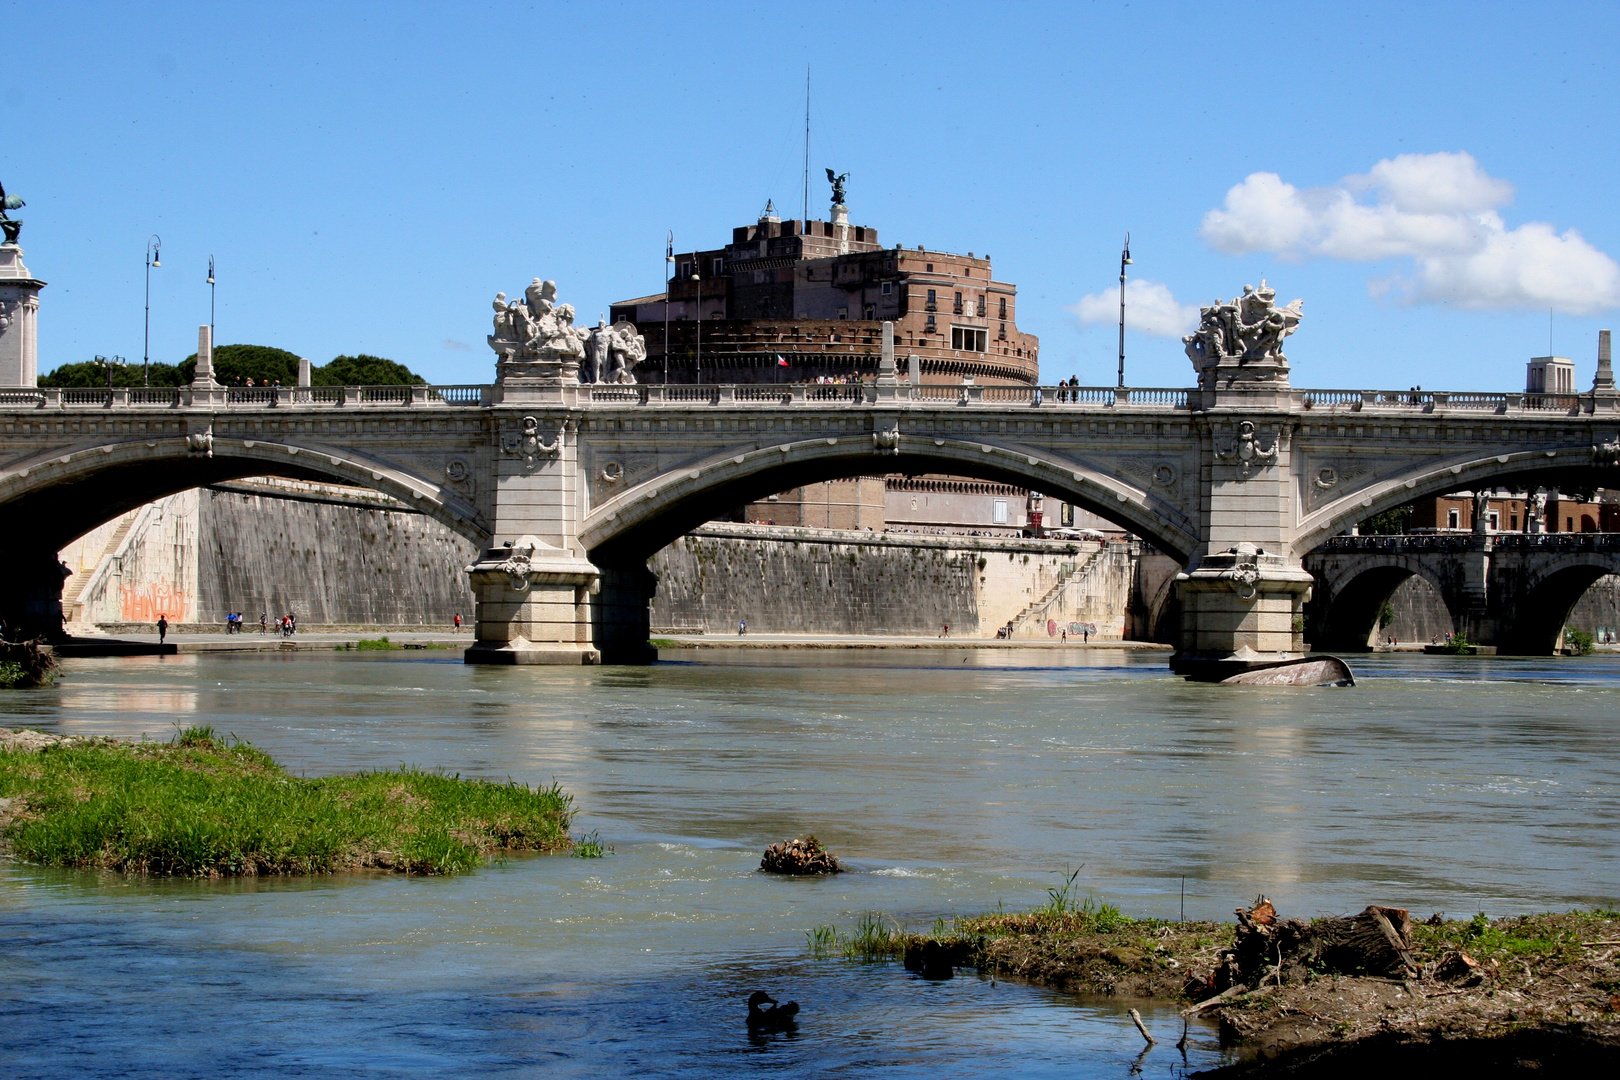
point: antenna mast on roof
(807, 142)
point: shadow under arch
(50, 500)
(1519, 470)
(632, 526)
(1343, 618)
(1545, 603)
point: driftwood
(1267, 950)
(805, 856)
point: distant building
(795, 301)
(1513, 512)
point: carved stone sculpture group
(538, 330)
(1247, 332)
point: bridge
(568, 486)
(1512, 591)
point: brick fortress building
(815, 294)
(802, 301)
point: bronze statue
(11, 225)
(838, 186)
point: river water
(949, 780)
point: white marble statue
(536, 327)
(1247, 331)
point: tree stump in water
(1266, 949)
(805, 856)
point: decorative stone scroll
(1240, 342)
(1606, 452)
(887, 440)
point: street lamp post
(669, 276)
(210, 298)
(1124, 261)
(154, 248)
(697, 281)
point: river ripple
(949, 780)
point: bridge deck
(767, 395)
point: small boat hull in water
(1304, 671)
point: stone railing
(870, 393)
(1080, 398)
(1428, 401)
(247, 397)
(1433, 543)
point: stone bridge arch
(1535, 601)
(1352, 588)
(1570, 465)
(635, 523)
(52, 498)
(623, 531)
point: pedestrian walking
(162, 627)
(264, 622)
(742, 627)
(458, 622)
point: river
(949, 780)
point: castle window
(930, 268)
(1003, 310)
(685, 271)
(1003, 334)
(981, 307)
(716, 267)
(1453, 519)
(888, 287)
(931, 302)
(870, 312)
(930, 328)
(969, 339)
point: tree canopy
(235, 364)
(90, 373)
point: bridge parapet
(76, 398)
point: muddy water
(950, 781)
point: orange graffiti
(144, 603)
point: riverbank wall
(337, 556)
(831, 581)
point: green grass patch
(663, 643)
(874, 938)
(590, 846)
(206, 806)
(380, 644)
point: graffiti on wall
(145, 602)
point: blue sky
(368, 176)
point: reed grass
(208, 806)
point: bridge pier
(1240, 608)
(621, 614)
(31, 593)
(533, 606)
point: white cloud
(1150, 308)
(1440, 211)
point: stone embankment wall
(327, 554)
(343, 556)
(791, 580)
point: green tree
(90, 373)
(235, 364)
(364, 370)
(1389, 523)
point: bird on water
(775, 1018)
